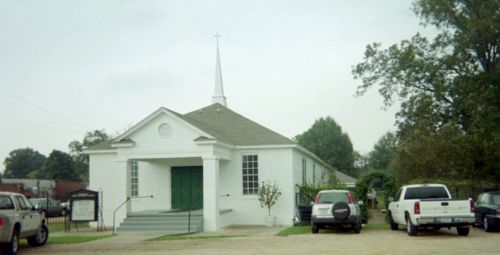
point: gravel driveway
(368, 242)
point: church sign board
(84, 205)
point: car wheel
(393, 225)
(63, 212)
(357, 227)
(410, 228)
(486, 225)
(463, 231)
(40, 238)
(11, 247)
(315, 228)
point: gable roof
(344, 178)
(217, 121)
(230, 127)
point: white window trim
(132, 178)
(249, 196)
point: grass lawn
(69, 239)
(299, 230)
(190, 237)
(74, 239)
(59, 226)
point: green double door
(187, 187)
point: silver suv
(334, 208)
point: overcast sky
(67, 67)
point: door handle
(397, 206)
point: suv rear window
(332, 197)
(426, 193)
(495, 199)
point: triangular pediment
(162, 124)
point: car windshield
(332, 197)
(426, 192)
(496, 199)
(6, 203)
(38, 201)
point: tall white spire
(218, 96)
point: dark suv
(333, 208)
(487, 211)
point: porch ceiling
(193, 161)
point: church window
(134, 179)
(250, 167)
(304, 172)
(314, 174)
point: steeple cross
(217, 36)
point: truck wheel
(40, 238)
(463, 231)
(314, 228)
(11, 247)
(486, 226)
(410, 228)
(394, 226)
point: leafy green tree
(383, 152)
(361, 164)
(445, 155)
(449, 89)
(21, 162)
(80, 159)
(59, 165)
(326, 139)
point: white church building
(211, 160)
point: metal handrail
(114, 212)
(122, 204)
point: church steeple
(218, 96)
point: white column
(118, 191)
(210, 193)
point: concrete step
(167, 229)
(161, 224)
(162, 219)
(169, 223)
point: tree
(59, 165)
(268, 195)
(21, 162)
(383, 152)
(80, 159)
(449, 88)
(326, 139)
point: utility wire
(38, 125)
(44, 109)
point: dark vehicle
(49, 207)
(487, 211)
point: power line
(44, 109)
(38, 125)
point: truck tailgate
(440, 208)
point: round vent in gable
(165, 130)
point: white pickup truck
(19, 219)
(429, 206)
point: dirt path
(368, 242)
(376, 216)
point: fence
(54, 210)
